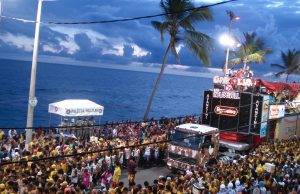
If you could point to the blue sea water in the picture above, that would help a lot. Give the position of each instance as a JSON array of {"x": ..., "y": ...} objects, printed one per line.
[{"x": 124, "y": 94}]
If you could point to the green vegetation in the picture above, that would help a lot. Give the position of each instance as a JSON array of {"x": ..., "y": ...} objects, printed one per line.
[
  {"x": 291, "y": 63},
  {"x": 251, "y": 51},
  {"x": 179, "y": 24}
]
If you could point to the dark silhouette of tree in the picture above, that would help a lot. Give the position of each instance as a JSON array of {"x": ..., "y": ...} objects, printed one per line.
[
  {"x": 179, "y": 24},
  {"x": 291, "y": 63}
]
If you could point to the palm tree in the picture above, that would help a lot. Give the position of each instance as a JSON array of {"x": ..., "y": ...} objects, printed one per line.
[
  {"x": 291, "y": 63},
  {"x": 178, "y": 24},
  {"x": 252, "y": 50}
]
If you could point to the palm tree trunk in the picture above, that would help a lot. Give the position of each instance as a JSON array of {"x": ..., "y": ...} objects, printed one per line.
[
  {"x": 245, "y": 65},
  {"x": 157, "y": 81},
  {"x": 287, "y": 78}
]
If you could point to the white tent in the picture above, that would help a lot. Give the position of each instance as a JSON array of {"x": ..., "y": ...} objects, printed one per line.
[{"x": 76, "y": 108}]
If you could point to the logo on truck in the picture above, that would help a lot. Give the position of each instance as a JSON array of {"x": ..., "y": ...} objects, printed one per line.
[{"x": 226, "y": 110}]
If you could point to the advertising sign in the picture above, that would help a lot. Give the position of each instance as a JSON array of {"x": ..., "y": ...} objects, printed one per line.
[
  {"x": 276, "y": 111},
  {"x": 219, "y": 93},
  {"x": 226, "y": 111},
  {"x": 264, "y": 115},
  {"x": 257, "y": 106},
  {"x": 183, "y": 151},
  {"x": 287, "y": 127},
  {"x": 234, "y": 81},
  {"x": 207, "y": 107}
]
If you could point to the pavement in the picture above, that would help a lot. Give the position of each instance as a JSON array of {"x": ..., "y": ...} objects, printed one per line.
[{"x": 146, "y": 174}]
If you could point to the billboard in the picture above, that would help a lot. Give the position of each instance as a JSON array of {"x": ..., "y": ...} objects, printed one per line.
[
  {"x": 220, "y": 93},
  {"x": 264, "y": 116},
  {"x": 257, "y": 106},
  {"x": 287, "y": 127},
  {"x": 207, "y": 104},
  {"x": 276, "y": 111},
  {"x": 235, "y": 114}
]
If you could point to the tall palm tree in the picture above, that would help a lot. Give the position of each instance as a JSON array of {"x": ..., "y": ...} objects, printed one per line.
[
  {"x": 179, "y": 24},
  {"x": 291, "y": 63},
  {"x": 251, "y": 50}
]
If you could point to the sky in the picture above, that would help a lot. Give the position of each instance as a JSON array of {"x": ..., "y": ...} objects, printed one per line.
[{"x": 136, "y": 43}]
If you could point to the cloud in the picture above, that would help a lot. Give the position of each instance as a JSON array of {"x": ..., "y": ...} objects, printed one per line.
[
  {"x": 137, "y": 41},
  {"x": 118, "y": 50},
  {"x": 208, "y": 1},
  {"x": 275, "y": 4},
  {"x": 18, "y": 40},
  {"x": 70, "y": 45},
  {"x": 179, "y": 47},
  {"x": 107, "y": 45},
  {"x": 139, "y": 52},
  {"x": 51, "y": 49},
  {"x": 94, "y": 36},
  {"x": 179, "y": 67}
]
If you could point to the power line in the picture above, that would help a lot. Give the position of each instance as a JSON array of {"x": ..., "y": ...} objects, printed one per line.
[{"x": 116, "y": 20}]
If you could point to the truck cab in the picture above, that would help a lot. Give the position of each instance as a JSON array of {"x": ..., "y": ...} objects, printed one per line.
[{"x": 192, "y": 145}]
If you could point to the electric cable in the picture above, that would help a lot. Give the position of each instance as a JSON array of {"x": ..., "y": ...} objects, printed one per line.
[{"x": 115, "y": 20}]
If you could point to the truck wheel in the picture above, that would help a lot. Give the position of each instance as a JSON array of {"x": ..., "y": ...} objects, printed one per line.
[{"x": 173, "y": 170}]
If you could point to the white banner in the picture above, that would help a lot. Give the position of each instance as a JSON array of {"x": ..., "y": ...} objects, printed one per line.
[{"x": 76, "y": 108}]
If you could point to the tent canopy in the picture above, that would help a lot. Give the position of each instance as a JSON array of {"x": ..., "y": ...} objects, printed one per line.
[
  {"x": 76, "y": 108},
  {"x": 280, "y": 86}
]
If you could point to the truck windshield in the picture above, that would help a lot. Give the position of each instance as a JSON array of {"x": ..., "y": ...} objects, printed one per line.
[{"x": 186, "y": 139}]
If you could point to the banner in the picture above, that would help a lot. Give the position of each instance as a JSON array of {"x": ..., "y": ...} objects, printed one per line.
[
  {"x": 219, "y": 93},
  {"x": 207, "y": 107},
  {"x": 287, "y": 127},
  {"x": 276, "y": 111},
  {"x": 257, "y": 106},
  {"x": 226, "y": 111},
  {"x": 234, "y": 81},
  {"x": 264, "y": 116}
]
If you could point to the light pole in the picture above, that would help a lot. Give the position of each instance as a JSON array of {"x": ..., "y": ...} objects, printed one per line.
[
  {"x": 32, "y": 101},
  {"x": 232, "y": 17}
]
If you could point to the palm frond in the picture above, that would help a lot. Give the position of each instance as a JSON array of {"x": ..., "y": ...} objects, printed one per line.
[
  {"x": 186, "y": 25},
  {"x": 199, "y": 14},
  {"x": 256, "y": 58},
  {"x": 162, "y": 27},
  {"x": 280, "y": 73},
  {"x": 235, "y": 61},
  {"x": 199, "y": 50},
  {"x": 277, "y": 65},
  {"x": 200, "y": 38}
]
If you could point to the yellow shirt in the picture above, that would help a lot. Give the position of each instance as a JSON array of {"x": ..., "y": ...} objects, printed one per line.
[
  {"x": 1, "y": 134},
  {"x": 117, "y": 174},
  {"x": 112, "y": 190}
]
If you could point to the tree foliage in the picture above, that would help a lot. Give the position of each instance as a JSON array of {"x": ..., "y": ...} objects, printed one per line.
[
  {"x": 179, "y": 23},
  {"x": 252, "y": 50},
  {"x": 291, "y": 63}
]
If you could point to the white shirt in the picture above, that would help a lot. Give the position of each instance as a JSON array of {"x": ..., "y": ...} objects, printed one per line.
[{"x": 12, "y": 133}]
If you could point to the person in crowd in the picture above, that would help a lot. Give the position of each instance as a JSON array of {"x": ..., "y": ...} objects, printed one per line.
[
  {"x": 147, "y": 155},
  {"x": 131, "y": 167},
  {"x": 85, "y": 172},
  {"x": 12, "y": 133},
  {"x": 116, "y": 176}
]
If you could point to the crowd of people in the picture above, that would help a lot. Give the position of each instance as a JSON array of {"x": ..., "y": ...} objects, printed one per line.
[
  {"x": 128, "y": 145},
  {"x": 112, "y": 145}
]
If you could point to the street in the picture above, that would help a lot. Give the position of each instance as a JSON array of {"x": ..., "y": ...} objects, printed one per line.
[{"x": 146, "y": 174}]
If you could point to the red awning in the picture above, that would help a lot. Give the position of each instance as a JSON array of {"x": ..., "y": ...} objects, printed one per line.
[{"x": 279, "y": 86}]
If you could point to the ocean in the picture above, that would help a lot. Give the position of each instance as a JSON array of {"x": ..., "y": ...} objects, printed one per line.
[{"x": 124, "y": 94}]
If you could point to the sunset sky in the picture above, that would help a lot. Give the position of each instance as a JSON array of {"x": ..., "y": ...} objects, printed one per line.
[{"x": 136, "y": 42}]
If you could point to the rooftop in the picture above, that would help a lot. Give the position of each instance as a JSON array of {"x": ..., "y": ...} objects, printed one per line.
[{"x": 197, "y": 128}]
